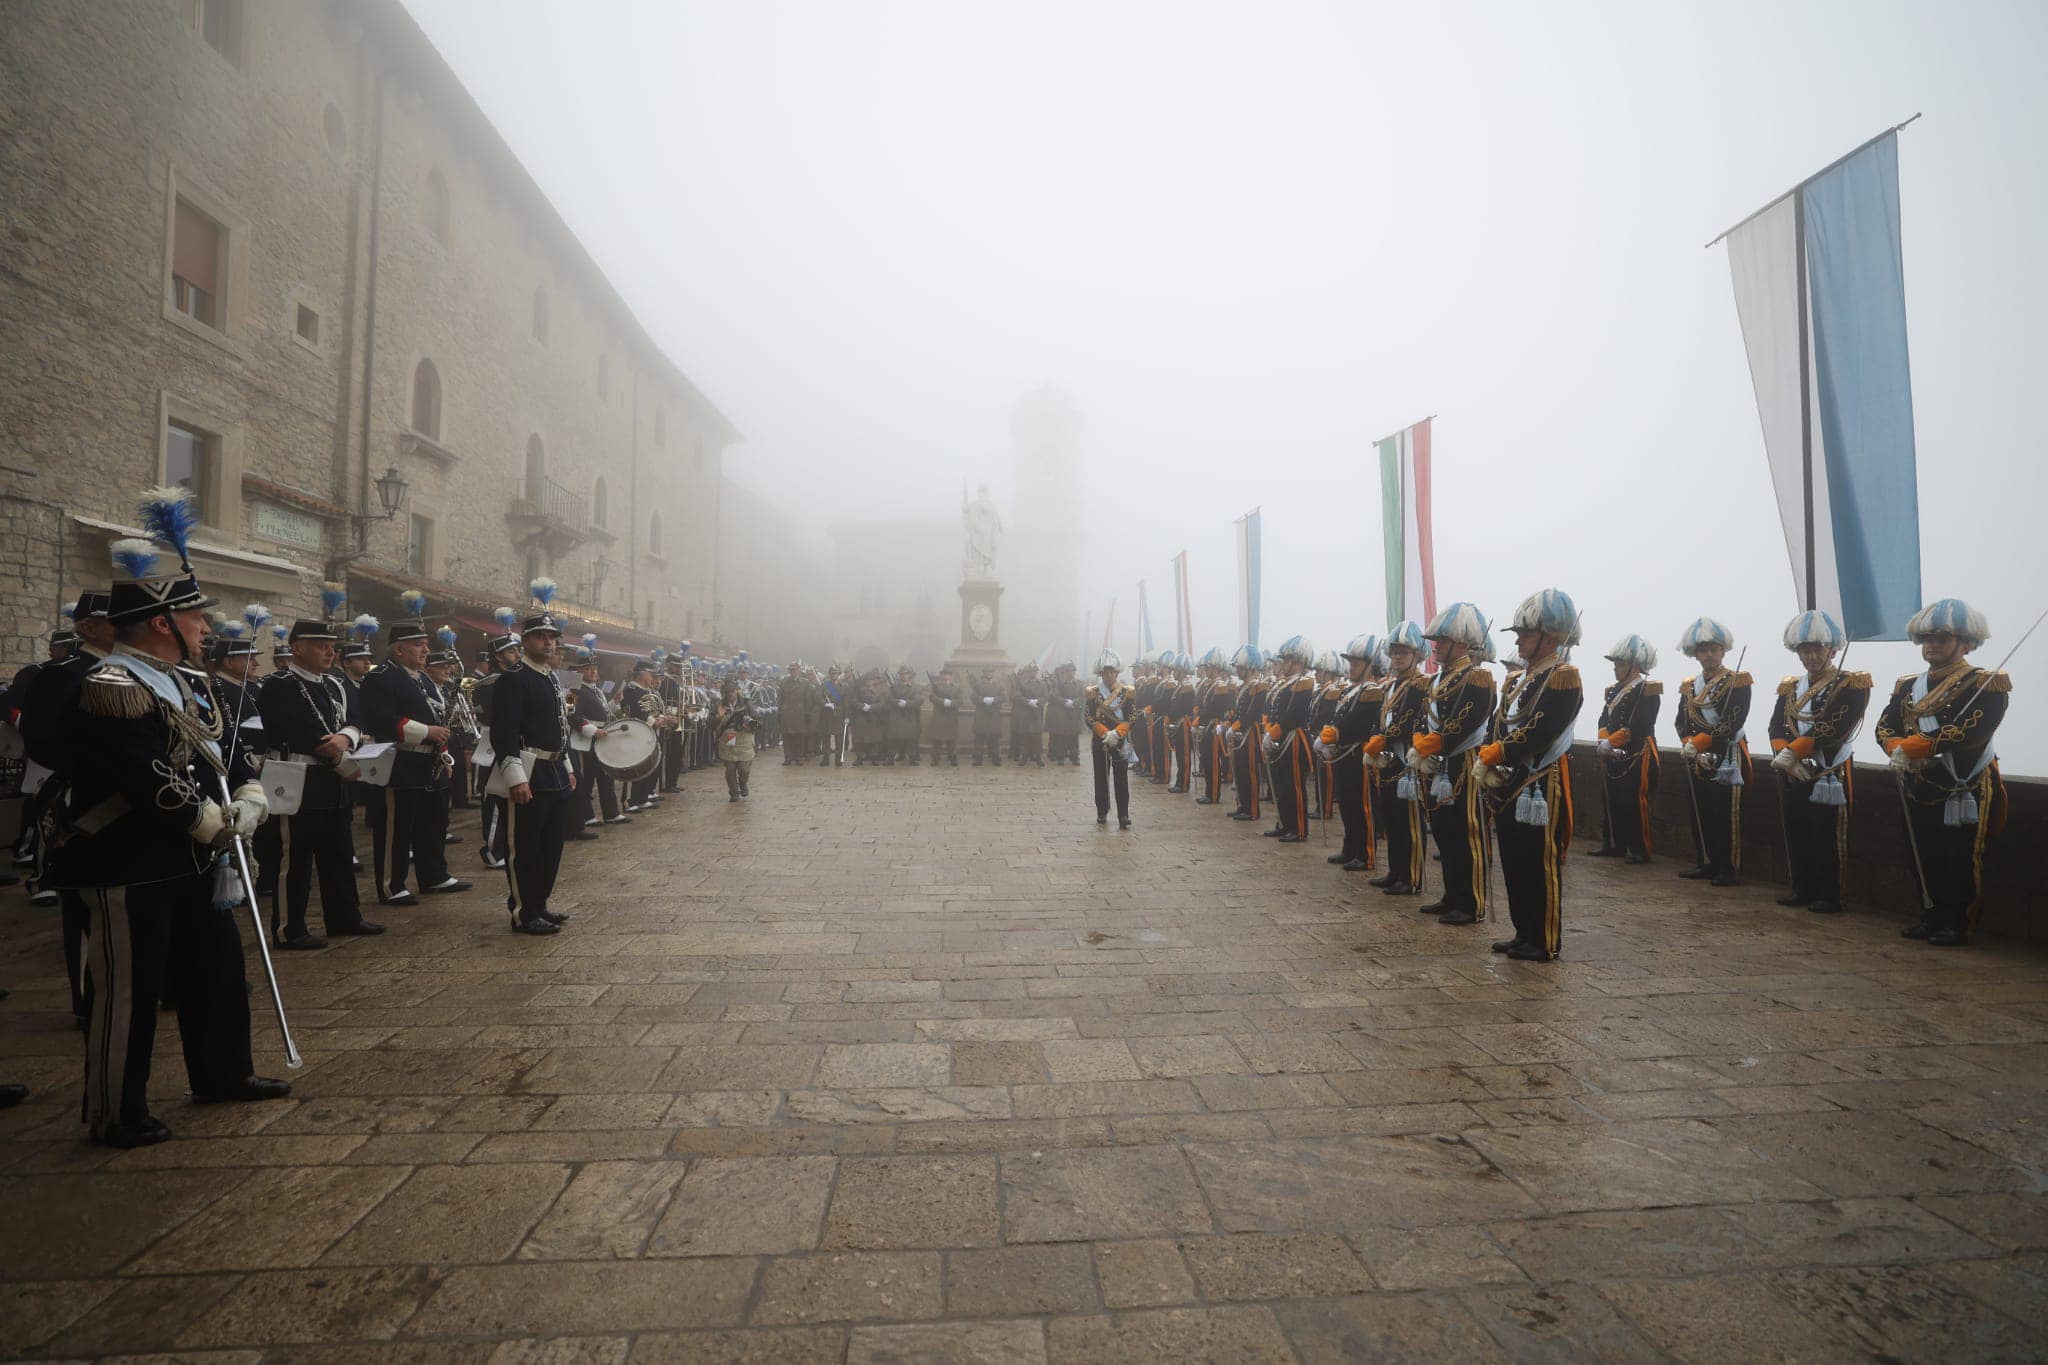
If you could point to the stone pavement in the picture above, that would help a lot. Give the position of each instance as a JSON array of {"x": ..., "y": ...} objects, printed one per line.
[{"x": 921, "y": 1065}]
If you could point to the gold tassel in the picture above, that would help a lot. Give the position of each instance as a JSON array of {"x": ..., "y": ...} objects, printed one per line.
[{"x": 112, "y": 692}]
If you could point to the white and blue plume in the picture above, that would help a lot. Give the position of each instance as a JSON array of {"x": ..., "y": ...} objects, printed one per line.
[
  {"x": 135, "y": 558},
  {"x": 543, "y": 590},
  {"x": 333, "y": 598},
  {"x": 169, "y": 517}
]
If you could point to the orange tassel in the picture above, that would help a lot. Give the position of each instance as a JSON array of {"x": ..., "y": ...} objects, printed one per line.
[
  {"x": 1803, "y": 746},
  {"x": 1778, "y": 746},
  {"x": 1917, "y": 746},
  {"x": 1492, "y": 754},
  {"x": 1701, "y": 742},
  {"x": 1429, "y": 746},
  {"x": 1376, "y": 744},
  {"x": 1617, "y": 737},
  {"x": 1329, "y": 735}
]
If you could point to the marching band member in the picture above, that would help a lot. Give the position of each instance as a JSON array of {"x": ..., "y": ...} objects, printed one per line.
[
  {"x": 639, "y": 700},
  {"x": 1813, "y": 729},
  {"x": 443, "y": 666},
  {"x": 1353, "y": 722},
  {"x": 1627, "y": 750},
  {"x": 591, "y": 714},
  {"x": 1112, "y": 710},
  {"x": 501, "y": 654},
  {"x": 530, "y": 736},
  {"x": 1461, "y": 701},
  {"x": 309, "y": 718},
  {"x": 1712, "y": 709},
  {"x": 398, "y": 709},
  {"x": 1525, "y": 773},
  {"x": 1938, "y": 728},
  {"x": 1289, "y": 702},
  {"x": 1178, "y": 708}
]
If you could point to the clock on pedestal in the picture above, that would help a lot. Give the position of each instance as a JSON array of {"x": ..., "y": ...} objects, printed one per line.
[{"x": 981, "y": 623}]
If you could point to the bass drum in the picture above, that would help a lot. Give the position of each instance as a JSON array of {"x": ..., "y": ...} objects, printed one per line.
[{"x": 627, "y": 749}]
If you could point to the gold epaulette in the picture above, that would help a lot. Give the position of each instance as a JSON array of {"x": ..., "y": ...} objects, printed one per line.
[
  {"x": 1741, "y": 680},
  {"x": 1858, "y": 681},
  {"x": 1905, "y": 681},
  {"x": 1481, "y": 676},
  {"x": 1998, "y": 682},
  {"x": 1302, "y": 682},
  {"x": 1653, "y": 689},
  {"x": 114, "y": 692},
  {"x": 1787, "y": 686},
  {"x": 1566, "y": 675}
]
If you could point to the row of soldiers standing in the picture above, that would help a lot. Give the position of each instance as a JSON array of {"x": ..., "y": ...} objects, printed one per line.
[
  {"x": 881, "y": 720},
  {"x": 1478, "y": 768}
]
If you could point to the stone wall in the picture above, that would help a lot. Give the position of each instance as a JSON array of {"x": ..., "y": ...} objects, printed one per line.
[
  {"x": 1881, "y": 877},
  {"x": 116, "y": 109}
]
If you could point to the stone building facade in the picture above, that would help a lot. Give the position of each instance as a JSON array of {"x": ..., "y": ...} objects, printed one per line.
[{"x": 275, "y": 250}]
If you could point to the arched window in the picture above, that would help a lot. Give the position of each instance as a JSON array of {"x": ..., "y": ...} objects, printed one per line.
[
  {"x": 600, "y": 502},
  {"x": 654, "y": 533},
  {"x": 436, "y": 205},
  {"x": 426, "y": 400},
  {"x": 540, "y": 315},
  {"x": 604, "y": 375},
  {"x": 536, "y": 469}
]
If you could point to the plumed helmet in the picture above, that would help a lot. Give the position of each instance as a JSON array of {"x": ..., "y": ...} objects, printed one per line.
[
  {"x": 1952, "y": 616},
  {"x": 1550, "y": 611},
  {"x": 1326, "y": 662},
  {"x": 1214, "y": 657},
  {"x": 1247, "y": 656},
  {"x": 1363, "y": 647},
  {"x": 1109, "y": 658},
  {"x": 1634, "y": 649},
  {"x": 1815, "y": 628},
  {"x": 1407, "y": 635},
  {"x": 1705, "y": 631},
  {"x": 1462, "y": 622},
  {"x": 1297, "y": 648}
]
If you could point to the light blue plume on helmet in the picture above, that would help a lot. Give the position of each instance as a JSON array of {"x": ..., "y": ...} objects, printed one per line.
[
  {"x": 1552, "y": 612},
  {"x": 446, "y": 636},
  {"x": 365, "y": 627},
  {"x": 280, "y": 635},
  {"x": 415, "y": 603},
  {"x": 1109, "y": 658},
  {"x": 1705, "y": 631},
  {"x": 1462, "y": 622},
  {"x": 1634, "y": 650},
  {"x": 333, "y": 600},
  {"x": 1247, "y": 656},
  {"x": 257, "y": 615},
  {"x": 1214, "y": 657},
  {"x": 235, "y": 630},
  {"x": 1363, "y": 647},
  {"x": 1406, "y": 635},
  {"x": 682, "y": 648},
  {"x": 507, "y": 619},
  {"x": 1951, "y": 616},
  {"x": 543, "y": 590},
  {"x": 1815, "y": 628},
  {"x": 1326, "y": 662},
  {"x": 168, "y": 516},
  {"x": 590, "y": 641},
  {"x": 1297, "y": 649},
  {"x": 659, "y": 655}
]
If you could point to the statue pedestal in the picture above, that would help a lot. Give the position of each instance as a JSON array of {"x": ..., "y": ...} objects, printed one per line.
[{"x": 981, "y": 621}]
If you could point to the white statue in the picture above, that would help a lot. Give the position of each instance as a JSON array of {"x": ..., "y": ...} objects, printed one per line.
[{"x": 984, "y": 527}]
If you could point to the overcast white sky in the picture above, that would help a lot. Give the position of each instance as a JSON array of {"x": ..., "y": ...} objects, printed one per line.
[{"x": 1251, "y": 238}]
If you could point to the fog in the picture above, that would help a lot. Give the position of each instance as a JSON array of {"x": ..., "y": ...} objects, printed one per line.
[{"x": 1249, "y": 239}]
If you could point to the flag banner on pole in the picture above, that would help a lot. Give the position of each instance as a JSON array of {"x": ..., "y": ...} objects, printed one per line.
[
  {"x": 1820, "y": 292},
  {"x": 1406, "y": 536},
  {"x": 1144, "y": 620},
  {"x": 1183, "y": 619},
  {"x": 1248, "y": 577},
  {"x": 1109, "y": 626}
]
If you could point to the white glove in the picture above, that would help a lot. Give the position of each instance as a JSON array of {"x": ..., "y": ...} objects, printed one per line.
[
  {"x": 988, "y": 701},
  {"x": 1322, "y": 750},
  {"x": 1032, "y": 700},
  {"x": 1269, "y": 747},
  {"x": 1069, "y": 702},
  {"x": 1488, "y": 775},
  {"x": 902, "y": 702},
  {"x": 945, "y": 701},
  {"x": 866, "y": 707},
  {"x": 1785, "y": 761},
  {"x": 206, "y": 829},
  {"x": 1605, "y": 749},
  {"x": 831, "y": 706},
  {"x": 1903, "y": 761}
]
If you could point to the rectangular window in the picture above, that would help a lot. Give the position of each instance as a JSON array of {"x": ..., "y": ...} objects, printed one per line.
[
  {"x": 419, "y": 552},
  {"x": 190, "y": 458},
  {"x": 218, "y": 22},
  {"x": 196, "y": 253},
  {"x": 309, "y": 326}
]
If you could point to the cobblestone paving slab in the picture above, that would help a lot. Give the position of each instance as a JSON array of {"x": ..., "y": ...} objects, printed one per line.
[{"x": 918, "y": 1065}]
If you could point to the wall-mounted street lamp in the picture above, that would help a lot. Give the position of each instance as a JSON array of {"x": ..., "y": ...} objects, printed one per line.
[{"x": 391, "y": 490}]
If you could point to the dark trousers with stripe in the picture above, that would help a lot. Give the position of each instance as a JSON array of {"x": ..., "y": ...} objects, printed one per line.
[
  {"x": 1532, "y": 861},
  {"x": 1350, "y": 784},
  {"x": 77, "y": 917},
  {"x": 1459, "y": 828},
  {"x": 494, "y": 822},
  {"x": 1244, "y": 767},
  {"x": 407, "y": 825},
  {"x": 1952, "y": 856},
  {"x": 581, "y": 763},
  {"x": 1628, "y": 803},
  {"x": 1815, "y": 841},
  {"x": 534, "y": 855},
  {"x": 1111, "y": 769},
  {"x": 317, "y": 841},
  {"x": 1290, "y": 786},
  {"x": 1717, "y": 831},
  {"x": 143, "y": 937},
  {"x": 1403, "y": 823},
  {"x": 1212, "y": 771}
]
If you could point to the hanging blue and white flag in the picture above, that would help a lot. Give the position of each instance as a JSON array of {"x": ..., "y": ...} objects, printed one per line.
[
  {"x": 1820, "y": 290},
  {"x": 1144, "y": 620},
  {"x": 1248, "y": 577}
]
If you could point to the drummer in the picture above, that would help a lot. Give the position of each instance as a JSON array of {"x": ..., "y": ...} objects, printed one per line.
[{"x": 591, "y": 713}]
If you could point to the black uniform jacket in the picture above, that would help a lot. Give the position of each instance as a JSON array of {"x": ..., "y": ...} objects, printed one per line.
[
  {"x": 528, "y": 714},
  {"x": 397, "y": 709}
]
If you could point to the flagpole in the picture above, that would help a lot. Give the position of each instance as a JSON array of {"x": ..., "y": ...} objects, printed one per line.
[
  {"x": 1862, "y": 146},
  {"x": 1806, "y": 379},
  {"x": 1416, "y": 423}
]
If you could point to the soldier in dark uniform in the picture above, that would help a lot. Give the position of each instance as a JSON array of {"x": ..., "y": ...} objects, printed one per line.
[
  {"x": 1214, "y": 702},
  {"x": 355, "y": 661},
  {"x": 309, "y": 717},
  {"x": 1065, "y": 706},
  {"x": 900, "y": 719},
  {"x": 947, "y": 718},
  {"x": 398, "y": 709},
  {"x": 1461, "y": 702},
  {"x": 444, "y": 665},
  {"x": 989, "y": 689},
  {"x": 1525, "y": 773},
  {"x": 1176, "y": 709},
  {"x": 1288, "y": 704},
  {"x": 46, "y": 703},
  {"x": 1330, "y": 689},
  {"x": 1712, "y": 709},
  {"x": 1027, "y": 716},
  {"x": 1112, "y": 711},
  {"x": 1938, "y": 727},
  {"x": 1814, "y": 720},
  {"x": 835, "y": 695},
  {"x": 1627, "y": 750},
  {"x": 62, "y": 646},
  {"x": 501, "y": 652},
  {"x": 1247, "y": 710},
  {"x": 530, "y": 735},
  {"x": 150, "y": 807},
  {"x": 796, "y": 698},
  {"x": 1340, "y": 743},
  {"x": 677, "y": 757},
  {"x": 1403, "y": 712}
]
